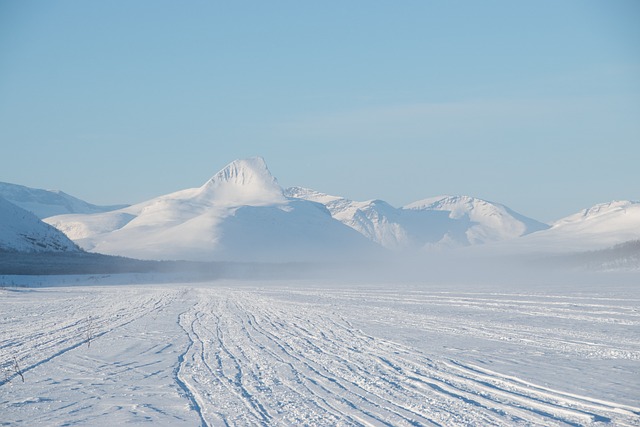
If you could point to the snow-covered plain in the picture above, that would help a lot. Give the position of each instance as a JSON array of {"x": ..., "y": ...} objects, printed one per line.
[{"x": 311, "y": 353}]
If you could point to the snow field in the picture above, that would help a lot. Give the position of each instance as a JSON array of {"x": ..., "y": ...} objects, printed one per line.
[{"x": 304, "y": 354}]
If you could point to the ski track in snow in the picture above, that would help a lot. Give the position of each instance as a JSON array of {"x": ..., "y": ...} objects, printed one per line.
[{"x": 296, "y": 355}]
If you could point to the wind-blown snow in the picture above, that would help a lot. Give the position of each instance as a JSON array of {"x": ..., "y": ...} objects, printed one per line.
[
  {"x": 22, "y": 231},
  {"x": 46, "y": 203}
]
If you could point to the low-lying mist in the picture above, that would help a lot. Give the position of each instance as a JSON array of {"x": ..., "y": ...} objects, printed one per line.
[{"x": 470, "y": 268}]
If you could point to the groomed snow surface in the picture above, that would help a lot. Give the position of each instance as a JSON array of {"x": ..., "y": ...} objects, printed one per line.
[{"x": 302, "y": 353}]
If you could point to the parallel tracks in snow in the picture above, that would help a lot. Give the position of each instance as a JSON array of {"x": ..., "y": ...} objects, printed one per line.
[
  {"x": 253, "y": 361},
  {"x": 292, "y": 357},
  {"x": 50, "y": 332}
]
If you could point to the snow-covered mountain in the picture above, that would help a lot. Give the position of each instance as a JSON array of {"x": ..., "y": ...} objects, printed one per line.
[
  {"x": 22, "y": 231},
  {"x": 484, "y": 221},
  {"x": 46, "y": 203},
  {"x": 439, "y": 221},
  {"x": 375, "y": 219},
  {"x": 597, "y": 227},
  {"x": 241, "y": 214}
]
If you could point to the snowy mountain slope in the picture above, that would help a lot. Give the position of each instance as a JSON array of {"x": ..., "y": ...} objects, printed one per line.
[
  {"x": 440, "y": 221},
  {"x": 22, "y": 231},
  {"x": 46, "y": 203},
  {"x": 241, "y": 214},
  {"x": 375, "y": 219},
  {"x": 597, "y": 227},
  {"x": 487, "y": 221}
]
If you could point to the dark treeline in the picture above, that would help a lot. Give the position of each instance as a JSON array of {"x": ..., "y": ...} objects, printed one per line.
[
  {"x": 63, "y": 263},
  {"x": 624, "y": 256}
]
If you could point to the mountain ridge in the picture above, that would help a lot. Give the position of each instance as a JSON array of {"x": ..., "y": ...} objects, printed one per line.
[
  {"x": 240, "y": 214},
  {"x": 594, "y": 228},
  {"x": 441, "y": 221},
  {"x": 243, "y": 214},
  {"x": 46, "y": 203}
]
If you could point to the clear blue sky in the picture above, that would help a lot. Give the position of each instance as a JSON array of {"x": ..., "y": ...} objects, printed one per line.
[{"x": 534, "y": 104}]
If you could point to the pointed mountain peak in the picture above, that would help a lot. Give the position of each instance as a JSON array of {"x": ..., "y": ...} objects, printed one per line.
[
  {"x": 244, "y": 182},
  {"x": 245, "y": 172}
]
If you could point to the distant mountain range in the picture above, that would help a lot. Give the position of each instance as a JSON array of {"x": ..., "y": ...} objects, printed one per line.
[
  {"x": 243, "y": 214},
  {"x": 439, "y": 221},
  {"x": 46, "y": 203}
]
